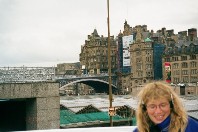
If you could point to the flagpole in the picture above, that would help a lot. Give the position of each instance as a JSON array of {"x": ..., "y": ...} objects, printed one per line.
[{"x": 109, "y": 64}]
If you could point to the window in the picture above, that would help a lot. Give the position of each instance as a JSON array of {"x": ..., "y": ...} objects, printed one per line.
[
  {"x": 176, "y": 80},
  {"x": 184, "y": 72},
  {"x": 148, "y": 66},
  {"x": 183, "y": 58},
  {"x": 140, "y": 74},
  {"x": 175, "y": 65},
  {"x": 185, "y": 79},
  {"x": 139, "y": 66},
  {"x": 193, "y": 57},
  {"x": 174, "y": 58},
  {"x": 193, "y": 64},
  {"x": 167, "y": 59},
  {"x": 194, "y": 71},
  {"x": 192, "y": 48},
  {"x": 194, "y": 79},
  {"x": 177, "y": 72},
  {"x": 184, "y": 65}
]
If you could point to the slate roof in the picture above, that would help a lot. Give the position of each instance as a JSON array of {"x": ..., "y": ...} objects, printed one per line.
[{"x": 102, "y": 103}]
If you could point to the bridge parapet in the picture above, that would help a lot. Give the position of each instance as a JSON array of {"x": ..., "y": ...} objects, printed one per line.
[
  {"x": 64, "y": 80},
  {"x": 46, "y": 74},
  {"x": 82, "y": 76},
  {"x": 26, "y": 74}
]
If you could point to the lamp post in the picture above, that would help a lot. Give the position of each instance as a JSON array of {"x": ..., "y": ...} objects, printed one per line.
[{"x": 109, "y": 64}]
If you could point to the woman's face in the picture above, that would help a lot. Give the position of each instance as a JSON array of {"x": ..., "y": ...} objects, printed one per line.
[{"x": 158, "y": 110}]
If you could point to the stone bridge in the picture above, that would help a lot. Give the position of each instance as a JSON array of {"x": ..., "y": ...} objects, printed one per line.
[
  {"x": 100, "y": 86},
  {"x": 99, "y": 83}
]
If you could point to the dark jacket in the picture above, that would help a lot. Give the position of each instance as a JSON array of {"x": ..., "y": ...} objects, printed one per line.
[{"x": 192, "y": 126}]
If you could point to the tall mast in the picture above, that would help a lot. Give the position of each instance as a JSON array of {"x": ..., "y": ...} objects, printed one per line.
[{"x": 109, "y": 63}]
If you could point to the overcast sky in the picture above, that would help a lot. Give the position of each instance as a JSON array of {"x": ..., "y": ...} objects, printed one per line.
[{"x": 48, "y": 32}]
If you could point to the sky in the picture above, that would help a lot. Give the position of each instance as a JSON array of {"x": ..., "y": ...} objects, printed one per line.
[{"x": 48, "y": 32}]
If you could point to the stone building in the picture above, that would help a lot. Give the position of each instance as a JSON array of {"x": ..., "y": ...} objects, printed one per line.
[
  {"x": 68, "y": 69},
  {"x": 145, "y": 51},
  {"x": 123, "y": 71},
  {"x": 129, "y": 36},
  {"x": 161, "y": 56},
  {"x": 183, "y": 62},
  {"x": 94, "y": 54},
  {"x": 146, "y": 54},
  {"x": 147, "y": 61},
  {"x": 141, "y": 56},
  {"x": 130, "y": 81}
]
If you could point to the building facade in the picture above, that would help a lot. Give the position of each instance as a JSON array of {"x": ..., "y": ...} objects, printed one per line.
[
  {"x": 162, "y": 56},
  {"x": 145, "y": 51},
  {"x": 66, "y": 69},
  {"x": 94, "y": 54},
  {"x": 141, "y": 56},
  {"x": 152, "y": 56},
  {"x": 183, "y": 62},
  {"x": 70, "y": 70}
]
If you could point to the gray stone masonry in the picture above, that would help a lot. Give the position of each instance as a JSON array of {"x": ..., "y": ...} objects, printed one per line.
[{"x": 42, "y": 102}]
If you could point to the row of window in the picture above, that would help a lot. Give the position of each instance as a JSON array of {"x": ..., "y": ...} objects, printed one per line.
[
  {"x": 185, "y": 79},
  {"x": 183, "y": 58},
  {"x": 148, "y": 66},
  {"x": 193, "y": 64},
  {"x": 149, "y": 74},
  {"x": 185, "y": 72},
  {"x": 93, "y": 66},
  {"x": 148, "y": 52},
  {"x": 148, "y": 59}
]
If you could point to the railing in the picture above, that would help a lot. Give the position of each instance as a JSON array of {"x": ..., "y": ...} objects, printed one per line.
[
  {"x": 82, "y": 76},
  {"x": 93, "y": 129},
  {"x": 37, "y": 74},
  {"x": 26, "y": 74}
]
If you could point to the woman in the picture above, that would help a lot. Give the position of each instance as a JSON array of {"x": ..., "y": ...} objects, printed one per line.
[{"x": 160, "y": 110}]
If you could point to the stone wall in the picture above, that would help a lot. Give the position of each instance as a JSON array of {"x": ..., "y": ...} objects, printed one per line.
[{"x": 42, "y": 102}]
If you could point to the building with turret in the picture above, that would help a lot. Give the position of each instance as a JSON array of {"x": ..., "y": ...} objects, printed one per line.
[
  {"x": 94, "y": 54},
  {"x": 145, "y": 50}
]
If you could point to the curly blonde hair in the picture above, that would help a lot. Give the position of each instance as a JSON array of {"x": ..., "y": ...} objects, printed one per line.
[{"x": 157, "y": 90}]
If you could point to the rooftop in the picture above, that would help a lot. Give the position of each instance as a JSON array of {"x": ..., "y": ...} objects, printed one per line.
[{"x": 101, "y": 102}]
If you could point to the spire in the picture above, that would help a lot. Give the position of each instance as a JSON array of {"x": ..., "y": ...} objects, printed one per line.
[{"x": 95, "y": 33}]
